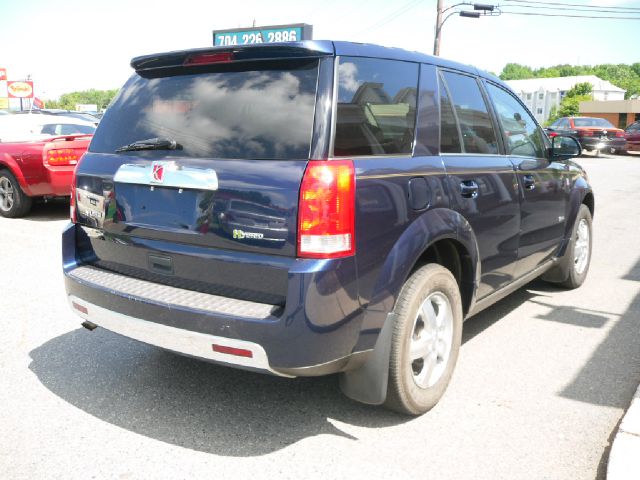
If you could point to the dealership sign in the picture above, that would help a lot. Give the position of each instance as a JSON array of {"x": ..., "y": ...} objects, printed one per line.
[
  {"x": 20, "y": 89},
  {"x": 3, "y": 73},
  {"x": 269, "y": 34}
]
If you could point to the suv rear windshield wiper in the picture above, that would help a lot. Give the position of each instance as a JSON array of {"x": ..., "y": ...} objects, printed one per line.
[{"x": 151, "y": 144}]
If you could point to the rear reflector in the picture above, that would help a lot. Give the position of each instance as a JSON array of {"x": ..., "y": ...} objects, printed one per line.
[
  {"x": 326, "y": 225},
  {"x": 238, "y": 352},
  {"x": 208, "y": 58},
  {"x": 80, "y": 308}
]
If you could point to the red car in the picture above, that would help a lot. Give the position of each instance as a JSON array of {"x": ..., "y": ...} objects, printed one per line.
[
  {"x": 594, "y": 134},
  {"x": 632, "y": 135},
  {"x": 37, "y": 158}
]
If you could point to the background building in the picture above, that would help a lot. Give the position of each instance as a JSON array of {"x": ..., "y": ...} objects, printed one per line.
[
  {"x": 619, "y": 112},
  {"x": 541, "y": 94}
]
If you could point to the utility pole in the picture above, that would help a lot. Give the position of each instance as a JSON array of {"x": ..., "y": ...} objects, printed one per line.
[
  {"x": 478, "y": 9},
  {"x": 436, "y": 41}
]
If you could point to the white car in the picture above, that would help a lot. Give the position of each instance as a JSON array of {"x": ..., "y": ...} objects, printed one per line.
[{"x": 16, "y": 128}]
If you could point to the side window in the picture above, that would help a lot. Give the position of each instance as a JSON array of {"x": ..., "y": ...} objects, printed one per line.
[
  {"x": 376, "y": 111},
  {"x": 522, "y": 132},
  {"x": 449, "y": 133},
  {"x": 478, "y": 135},
  {"x": 49, "y": 129},
  {"x": 563, "y": 123}
]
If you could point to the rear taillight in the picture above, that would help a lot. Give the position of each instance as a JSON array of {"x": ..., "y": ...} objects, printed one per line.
[
  {"x": 57, "y": 157},
  {"x": 326, "y": 224},
  {"x": 72, "y": 202},
  {"x": 619, "y": 134},
  {"x": 552, "y": 134}
]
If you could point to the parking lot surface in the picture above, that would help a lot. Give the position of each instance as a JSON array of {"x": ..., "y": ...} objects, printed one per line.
[{"x": 543, "y": 379}]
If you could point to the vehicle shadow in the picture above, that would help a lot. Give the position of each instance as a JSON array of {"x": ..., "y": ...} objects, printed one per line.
[
  {"x": 203, "y": 406},
  {"x": 485, "y": 319},
  {"x": 611, "y": 374},
  {"x": 191, "y": 403},
  {"x": 56, "y": 209}
]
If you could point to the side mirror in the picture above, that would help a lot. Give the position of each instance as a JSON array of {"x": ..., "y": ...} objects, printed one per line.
[{"x": 564, "y": 147}]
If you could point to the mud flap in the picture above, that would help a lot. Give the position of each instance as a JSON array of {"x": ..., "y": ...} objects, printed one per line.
[{"x": 368, "y": 383}]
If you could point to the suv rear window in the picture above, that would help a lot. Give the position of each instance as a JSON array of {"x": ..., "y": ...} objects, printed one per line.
[{"x": 256, "y": 111}]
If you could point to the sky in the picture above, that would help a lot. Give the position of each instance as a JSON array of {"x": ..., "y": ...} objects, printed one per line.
[{"x": 77, "y": 45}]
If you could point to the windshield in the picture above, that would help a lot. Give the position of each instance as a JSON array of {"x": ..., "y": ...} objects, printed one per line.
[
  {"x": 592, "y": 122},
  {"x": 263, "y": 113}
]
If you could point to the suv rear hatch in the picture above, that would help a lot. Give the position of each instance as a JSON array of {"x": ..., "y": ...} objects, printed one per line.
[{"x": 193, "y": 175}]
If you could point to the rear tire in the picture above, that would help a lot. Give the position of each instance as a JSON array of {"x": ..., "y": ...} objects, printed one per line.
[
  {"x": 13, "y": 201},
  {"x": 426, "y": 340}
]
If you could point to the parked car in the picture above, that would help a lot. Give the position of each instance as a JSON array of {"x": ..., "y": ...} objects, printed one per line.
[
  {"x": 406, "y": 193},
  {"x": 594, "y": 134},
  {"x": 632, "y": 137},
  {"x": 85, "y": 116},
  {"x": 37, "y": 156}
]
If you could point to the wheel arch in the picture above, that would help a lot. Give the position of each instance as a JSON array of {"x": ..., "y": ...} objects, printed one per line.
[
  {"x": 439, "y": 235},
  {"x": 8, "y": 162}
]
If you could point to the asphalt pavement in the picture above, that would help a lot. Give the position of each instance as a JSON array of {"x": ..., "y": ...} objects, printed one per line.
[{"x": 541, "y": 385}]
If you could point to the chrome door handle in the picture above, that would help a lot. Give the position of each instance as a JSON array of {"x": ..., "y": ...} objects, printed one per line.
[
  {"x": 528, "y": 182},
  {"x": 469, "y": 189}
]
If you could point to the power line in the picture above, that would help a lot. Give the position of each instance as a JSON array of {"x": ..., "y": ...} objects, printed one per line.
[
  {"x": 567, "y": 16},
  {"x": 562, "y": 4},
  {"x": 571, "y": 9},
  {"x": 392, "y": 16}
]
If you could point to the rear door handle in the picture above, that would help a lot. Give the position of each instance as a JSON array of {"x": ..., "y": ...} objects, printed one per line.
[
  {"x": 469, "y": 189},
  {"x": 528, "y": 182}
]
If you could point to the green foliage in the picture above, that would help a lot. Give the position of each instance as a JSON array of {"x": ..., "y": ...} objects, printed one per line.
[
  {"x": 68, "y": 101},
  {"x": 553, "y": 116},
  {"x": 584, "y": 88},
  {"x": 570, "y": 106},
  {"x": 515, "y": 71},
  {"x": 624, "y": 76}
]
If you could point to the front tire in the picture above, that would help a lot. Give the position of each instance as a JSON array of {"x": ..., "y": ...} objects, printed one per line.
[
  {"x": 426, "y": 340},
  {"x": 579, "y": 251},
  {"x": 13, "y": 201},
  {"x": 571, "y": 271}
]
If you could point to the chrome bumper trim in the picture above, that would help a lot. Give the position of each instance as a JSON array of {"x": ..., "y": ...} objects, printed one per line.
[{"x": 191, "y": 343}]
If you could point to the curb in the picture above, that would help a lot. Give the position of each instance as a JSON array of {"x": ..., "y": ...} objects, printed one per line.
[{"x": 624, "y": 459}]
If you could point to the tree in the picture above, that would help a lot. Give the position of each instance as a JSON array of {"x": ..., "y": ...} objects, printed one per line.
[
  {"x": 515, "y": 71},
  {"x": 553, "y": 116},
  {"x": 584, "y": 88},
  {"x": 68, "y": 101},
  {"x": 570, "y": 106}
]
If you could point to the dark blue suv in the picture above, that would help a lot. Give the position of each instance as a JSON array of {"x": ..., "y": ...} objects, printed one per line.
[{"x": 319, "y": 207}]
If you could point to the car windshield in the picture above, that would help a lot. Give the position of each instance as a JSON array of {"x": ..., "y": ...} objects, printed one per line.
[
  {"x": 592, "y": 122},
  {"x": 257, "y": 111}
]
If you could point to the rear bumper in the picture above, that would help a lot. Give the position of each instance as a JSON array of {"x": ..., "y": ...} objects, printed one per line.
[
  {"x": 594, "y": 143},
  {"x": 170, "y": 338},
  {"x": 53, "y": 181},
  {"x": 632, "y": 147},
  {"x": 316, "y": 332}
]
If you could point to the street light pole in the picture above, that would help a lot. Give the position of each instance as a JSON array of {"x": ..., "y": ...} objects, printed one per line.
[
  {"x": 436, "y": 41},
  {"x": 486, "y": 9}
]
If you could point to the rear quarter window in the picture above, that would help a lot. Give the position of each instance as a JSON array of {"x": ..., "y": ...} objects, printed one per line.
[
  {"x": 376, "y": 110},
  {"x": 253, "y": 111}
]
